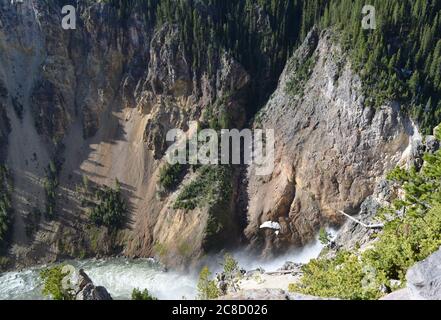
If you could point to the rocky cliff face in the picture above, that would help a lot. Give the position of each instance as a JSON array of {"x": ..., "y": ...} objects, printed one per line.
[
  {"x": 331, "y": 151},
  {"x": 98, "y": 101}
]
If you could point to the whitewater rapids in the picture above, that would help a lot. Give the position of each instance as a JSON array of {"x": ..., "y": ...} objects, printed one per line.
[{"x": 120, "y": 275}]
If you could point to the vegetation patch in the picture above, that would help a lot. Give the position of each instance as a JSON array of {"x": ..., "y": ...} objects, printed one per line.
[
  {"x": 207, "y": 288},
  {"x": 300, "y": 75},
  {"x": 216, "y": 116},
  {"x": 170, "y": 175},
  {"x": 53, "y": 285},
  {"x": 142, "y": 295},
  {"x": 109, "y": 209},
  {"x": 228, "y": 279},
  {"x": 184, "y": 249},
  {"x": 412, "y": 232},
  {"x": 339, "y": 277},
  {"x": 107, "y": 212},
  {"x": 212, "y": 184},
  {"x": 160, "y": 249},
  {"x": 5, "y": 204},
  {"x": 231, "y": 272},
  {"x": 50, "y": 185}
]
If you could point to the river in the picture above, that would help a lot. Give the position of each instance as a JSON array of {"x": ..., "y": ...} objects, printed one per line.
[{"x": 120, "y": 275}]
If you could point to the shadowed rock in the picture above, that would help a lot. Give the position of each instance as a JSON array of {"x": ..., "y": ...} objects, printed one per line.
[{"x": 88, "y": 291}]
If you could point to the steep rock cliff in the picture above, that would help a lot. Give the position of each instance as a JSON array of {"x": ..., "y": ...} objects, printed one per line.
[
  {"x": 97, "y": 102},
  {"x": 330, "y": 153}
]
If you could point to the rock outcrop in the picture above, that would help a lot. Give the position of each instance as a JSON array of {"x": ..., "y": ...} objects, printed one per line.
[
  {"x": 331, "y": 150},
  {"x": 424, "y": 279},
  {"x": 352, "y": 235},
  {"x": 88, "y": 291}
]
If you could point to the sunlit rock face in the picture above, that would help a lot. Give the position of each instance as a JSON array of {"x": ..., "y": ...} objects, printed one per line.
[{"x": 331, "y": 151}]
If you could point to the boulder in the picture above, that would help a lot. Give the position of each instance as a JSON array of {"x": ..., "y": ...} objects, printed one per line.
[
  {"x": 291, "y": 266},
  {"x": 92, "y": 292},
  {"x": 432, "y": 144},
  {"x": 424, "y": 279},
  {"x": 86, "y": 290},
  {"x": 402, "y": 294}
]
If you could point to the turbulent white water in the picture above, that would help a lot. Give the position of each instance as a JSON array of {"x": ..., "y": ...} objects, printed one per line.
[
  {"x": 120, "y": 276},
  {"x": 301, "y": 255}
]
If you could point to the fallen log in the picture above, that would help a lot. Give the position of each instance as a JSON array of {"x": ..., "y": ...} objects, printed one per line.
[{"x": 368, "y": 226}]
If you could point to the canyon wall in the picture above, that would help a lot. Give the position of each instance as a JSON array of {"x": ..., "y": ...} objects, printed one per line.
[
  {"x": 331, "y": 150},
  {"x": 98, "y": 101}
]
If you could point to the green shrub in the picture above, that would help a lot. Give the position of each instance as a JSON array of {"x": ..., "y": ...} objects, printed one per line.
[
  {"x": 53, "y": 283},
  {"x": 342, "y": 277},
  {"x": 171, "y": 175},
  {"x": 207, "y": 288},
  {"x": 231, "y": 271},
  {"x": 217, "y": 116},
  {"x": 212, "y": 184},
  {"x": 50, "y": 185},
  {"x": 185, "y": 249},
  {"x": 110, "y": 209},
  {"x": 300, "y": 75},
  {"x": 324, "y": 236},
  {"x": 5, "y": 204},
  {"x": 412, "y": 232},
  {"x": 142, "y": 295},
  {"x": 404, "y": 242},
  {"x": 160, "y": 249}
]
